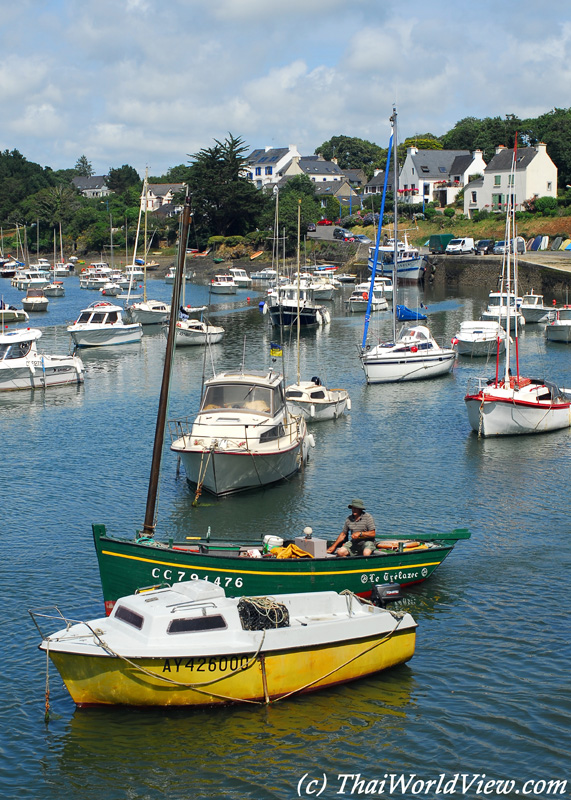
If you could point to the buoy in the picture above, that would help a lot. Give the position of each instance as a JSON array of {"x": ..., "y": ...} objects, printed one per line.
[
  {"x": 248, "y": 300},
  {"x": 414, "y": 349}
]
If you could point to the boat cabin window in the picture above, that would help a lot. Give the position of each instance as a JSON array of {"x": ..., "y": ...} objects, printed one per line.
[
  {"x": 130, "y": 617},
  {"x": 233, "y": 395},
  {"x": 320, "y": 395},
  {"x": 214, "y": 622},
  {"x": 98, "y": 317},
  {"x": 15, "y": 350},
  {"x": 291, "y": 393},
  {"x": 274, "y": 433},
  {"x": 84, "y": 316},
  {"x": 112, "y": 316}
]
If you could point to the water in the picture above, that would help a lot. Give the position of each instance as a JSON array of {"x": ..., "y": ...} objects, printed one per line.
[{"x": 487, "y": 690}]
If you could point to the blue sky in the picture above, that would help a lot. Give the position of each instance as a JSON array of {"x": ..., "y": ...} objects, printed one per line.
[{"x": 147, "y": 82}]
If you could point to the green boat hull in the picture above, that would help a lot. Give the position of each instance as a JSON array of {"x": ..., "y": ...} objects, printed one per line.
[{"x": 127, "y": 566}]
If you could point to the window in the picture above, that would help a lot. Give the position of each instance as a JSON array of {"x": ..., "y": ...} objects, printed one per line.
[
  {"x": 268, "y": 170},
  {"x": 258, "y": 170},
  {"x": 442, "y": 169},
  {"x": 130, "y": 617},
  {"x": 213, "y": 622},
  {"x": 473, "y": 197},
  {"x": 413, "y": 186},
  {"x": 427, "y": 189},
  {"x": 424, "y": 169},
  {"x": 497, "y": 180},
  {"x": 548, "y": 186},
  {"x": 413, "y": 170},
  {"x": 511, "y": 180}
]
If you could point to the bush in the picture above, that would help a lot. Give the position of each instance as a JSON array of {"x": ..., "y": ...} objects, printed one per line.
[
  {"x": 233, "y": 241},
  {"x": 546, "y": 205},
  {"x": 449, "y": 212}
]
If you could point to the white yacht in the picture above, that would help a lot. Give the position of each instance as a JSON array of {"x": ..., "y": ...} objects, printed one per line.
[
  {"x": 148, "y": 312},
  {"x": 559, "y": 329},
  {"x": 316, "y": 402},
  {"x": 102, "y": 324},
  {"x": 497, "y": 310},
  {"x": 223, "y": 284},
  {"x": 358, "y": 300},
  {"x": 533, "y": 309},
  {"x": 415, "y": 355},
  {"x": 35, "y": 300},
  {"x": 195, "y": 332},
  {"x": 479, "y": 338},
  {"x": 22, "y": 367},
  {"x": 243, "y": 436},
  {"x": 241, "y": 277}
]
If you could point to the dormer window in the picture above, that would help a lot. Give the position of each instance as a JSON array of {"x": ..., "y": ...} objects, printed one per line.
[{"x": 424, "y": 169}]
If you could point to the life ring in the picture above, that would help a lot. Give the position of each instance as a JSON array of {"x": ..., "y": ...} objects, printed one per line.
[{"x": 365, "y": 295}]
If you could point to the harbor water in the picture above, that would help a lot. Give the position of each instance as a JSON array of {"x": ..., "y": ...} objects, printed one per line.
[{"x": 487, "y": 691}]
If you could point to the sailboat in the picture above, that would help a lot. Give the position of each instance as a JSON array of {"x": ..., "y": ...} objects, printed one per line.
[
  {"x": 55, "y": 288},
  {"x": 147, "y": 312},
  {"x": 511, "y": 404},
  {"x": 311, "y": 399},
  {"x": 414, "y": 354}
]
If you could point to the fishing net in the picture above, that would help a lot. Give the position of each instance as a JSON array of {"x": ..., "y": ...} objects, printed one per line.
[{"x": 262, "y": 613}]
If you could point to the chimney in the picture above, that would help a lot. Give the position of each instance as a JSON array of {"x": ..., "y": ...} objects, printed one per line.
[
  {"x": 267, "y": 148},
  {"x": 411, "y": 151},
  {"x": 334, "y": 160},
  {"x": 500, "y": 147}
]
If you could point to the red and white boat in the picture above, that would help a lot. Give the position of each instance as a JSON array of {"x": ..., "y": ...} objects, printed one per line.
[{"x": 512, "y": 404}]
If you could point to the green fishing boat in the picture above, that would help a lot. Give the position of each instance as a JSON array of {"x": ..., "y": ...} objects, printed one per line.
[{"x": 242, "y": 568}]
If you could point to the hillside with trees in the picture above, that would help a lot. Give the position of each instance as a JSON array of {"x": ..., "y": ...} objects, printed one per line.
[{"x": 225, "y": 204}]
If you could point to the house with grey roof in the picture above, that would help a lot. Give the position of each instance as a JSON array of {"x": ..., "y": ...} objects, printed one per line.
[
  {"x": 377, "y": 182},
  {"x": 437, "y": 175},
  {"x": 162, "y": 194},
  {"x": 265, "y": 166},
  {"x": 315, "y": 167},
  {"x": 94, "y": 186},
  {"x": 535, "y": 176}
]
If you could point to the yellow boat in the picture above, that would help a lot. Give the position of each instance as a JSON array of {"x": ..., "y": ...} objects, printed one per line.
[{"x": 191, "y": 645}]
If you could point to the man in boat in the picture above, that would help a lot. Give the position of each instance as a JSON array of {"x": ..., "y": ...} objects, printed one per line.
[{"x": 358, "y": 535}]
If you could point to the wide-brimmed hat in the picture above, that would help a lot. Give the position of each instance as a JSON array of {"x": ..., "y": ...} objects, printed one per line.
[{"x": 356, "y": 503}]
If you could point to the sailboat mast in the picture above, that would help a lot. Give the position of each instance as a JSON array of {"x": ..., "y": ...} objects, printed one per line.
[
  {"x": 298, "y": 289},
  {"x": 395, "y": 209},
  {"x": 149, "y": 523},
  {"x": 145, "y": 191}
]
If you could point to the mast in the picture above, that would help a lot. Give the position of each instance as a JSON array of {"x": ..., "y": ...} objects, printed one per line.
[
  {"x": 378, "y": 243},
  {"x": 298, "y": 289},
  {"x": 149, "y": 523},
  {"x": 146, "y": 192},
  {"x": 395, "y": 195}
]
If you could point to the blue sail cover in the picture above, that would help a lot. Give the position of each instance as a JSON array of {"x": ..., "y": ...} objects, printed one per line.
[{"x": 405, "y": 314}]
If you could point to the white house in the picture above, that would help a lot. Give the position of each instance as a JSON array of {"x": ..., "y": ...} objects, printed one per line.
[
  {"x": 265, "y": 167},
  {"x": 377, "y": 182},
  {"x": 315, "y": 167},
  {"x": 535, "y": 176},
  {"x": 160, "y": 194},
  {"x": 94, "y": 186},
  {"x": 437, "y": 175}
]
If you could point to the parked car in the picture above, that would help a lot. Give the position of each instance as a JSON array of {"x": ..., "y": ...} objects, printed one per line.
[
  {"x": 460, "y": 246},
  {"x": 324, "y": 222},
  {"x": 310, "y": 227},
  {"x": 362, "y": 239},
  {"x": 484, "y": 247},
  {"x": 518, "y": 242},
  {"x": 340, "y": 233}
]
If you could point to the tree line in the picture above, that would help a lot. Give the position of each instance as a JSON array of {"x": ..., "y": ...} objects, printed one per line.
[{"x": 224, "y": 202}]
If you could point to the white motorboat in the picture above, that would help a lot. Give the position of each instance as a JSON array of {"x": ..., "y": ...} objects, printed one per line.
[
  {"x": 559, "y": 329},
  {"x": 223, "y": 284},
  {"x": 10, "y": 314},
  {"x": 30, "y": 279},
  {"x": 243, "y": 436},
  {"x": 148, "y": 312},
  {"x": 497, "y": 311},
  {"x": 195, "y": 332},
  {"x": 111, "y": 289},
  {"x": 101, "y": 324},
  {"x": 54, "y": 289},
  {"x": 410, "y": 263},
  {"x": 266, "y": 274},
  {"x": 479, "y": 338},
  {"x": 358, "y": 300},
  {"x": 22, "y": 367},
  {"x": 533, "y": 309},
  {"x": 285, "y": 307},
  {"x": 63, "y": 270},
  {"x": 414, "y": 355},
  {"x": 509, "y": 403},
  {"x": 190, "y": 645},
  {"x": 241, "y": 277},
  {"x": 323, "y": 288},
  {"x": 315, "y": 401},
  {"x": 35, "y": 300},
  {"x": 134, "y": 272}
]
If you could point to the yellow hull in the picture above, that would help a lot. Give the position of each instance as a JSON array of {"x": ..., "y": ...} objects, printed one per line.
[{"x": 95, "y": 680}]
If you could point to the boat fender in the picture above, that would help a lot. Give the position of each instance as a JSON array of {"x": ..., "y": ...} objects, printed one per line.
[
  {"x": 311, "y": 439},
  {"x": 311, "y": 411},
  {"x": 349, "y": 404},
  {"x": 414, "y": 349},
  {"x": 385, "y": 593}
]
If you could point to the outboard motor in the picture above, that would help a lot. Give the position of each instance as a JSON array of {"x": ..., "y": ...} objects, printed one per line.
[{"x": 385, "y": 593}]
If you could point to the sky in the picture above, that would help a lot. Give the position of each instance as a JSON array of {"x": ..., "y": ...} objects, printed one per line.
[{"x": 150, "y": 82}]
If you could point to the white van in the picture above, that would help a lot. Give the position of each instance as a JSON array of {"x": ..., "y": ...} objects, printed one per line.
[{"x": 459, "y": 246}]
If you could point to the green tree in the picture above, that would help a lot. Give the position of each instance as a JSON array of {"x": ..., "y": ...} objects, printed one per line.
[
  {"x": 224, "y": 202},
  {"x": 83, "y": 167},
  {"x": 121, "y": 179},
  {"x": 352, "y": 153}
]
